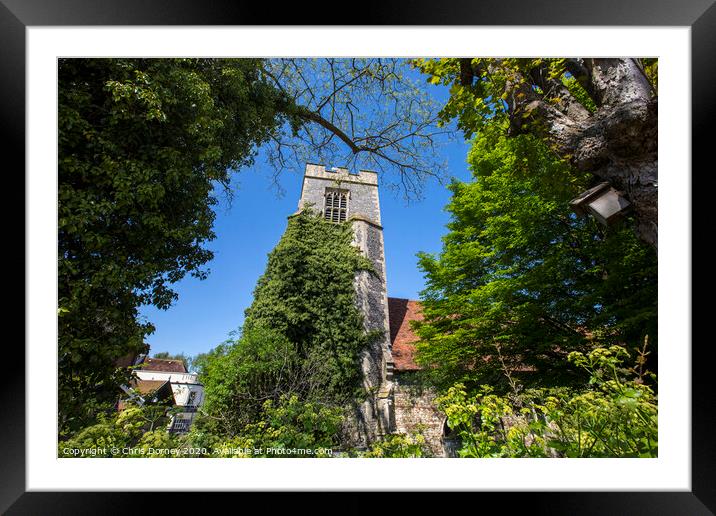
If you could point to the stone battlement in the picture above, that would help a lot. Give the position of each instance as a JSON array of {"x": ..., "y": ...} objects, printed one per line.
[{"x": 341, "y": 174}]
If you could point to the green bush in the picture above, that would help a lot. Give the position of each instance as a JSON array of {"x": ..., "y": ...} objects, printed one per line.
[
  {"x": 139, "y": 428},
  {"x": 287, "y": 428},
  {"x": 398, "y": 446},
  {"x": 615, "y": 416}
]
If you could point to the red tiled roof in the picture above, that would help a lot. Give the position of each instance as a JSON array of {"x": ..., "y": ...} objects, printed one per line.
[
  {"x": 402, "y": 337},
  {"x": 164, "y": 365}
]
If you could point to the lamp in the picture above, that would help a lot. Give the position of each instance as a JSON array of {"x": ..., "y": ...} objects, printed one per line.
[{"x": 605, "y": 203}]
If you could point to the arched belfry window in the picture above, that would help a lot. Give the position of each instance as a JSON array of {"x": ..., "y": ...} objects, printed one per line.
[{"x": 336, "y": 205}]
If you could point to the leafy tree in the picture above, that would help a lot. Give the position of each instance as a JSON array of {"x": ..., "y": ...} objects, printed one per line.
[
  {"x": 239, "y": 376},
  {"x": 614, "y": 415},
  {"x": 521, "y": 281},
  {"x": 599, "y": 114},
  {"x": 142, "y": 144},
  {"x": 302, "y": 334}
]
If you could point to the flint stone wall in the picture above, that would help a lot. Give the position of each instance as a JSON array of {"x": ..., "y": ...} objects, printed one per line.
[{"x": 416, "y": 412}]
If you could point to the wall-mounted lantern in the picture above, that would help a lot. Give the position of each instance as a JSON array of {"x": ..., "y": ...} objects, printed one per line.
[{"x": 605, "y": 203}]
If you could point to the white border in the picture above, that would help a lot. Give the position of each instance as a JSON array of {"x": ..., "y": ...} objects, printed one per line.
[{"x": 671, "y": 471}]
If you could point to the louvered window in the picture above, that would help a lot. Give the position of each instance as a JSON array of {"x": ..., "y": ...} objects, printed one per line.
[{"x": 336, "y": 205}]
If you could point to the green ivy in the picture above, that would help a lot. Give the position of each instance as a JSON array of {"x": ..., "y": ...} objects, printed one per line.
[{"x": 302, "y": 334}]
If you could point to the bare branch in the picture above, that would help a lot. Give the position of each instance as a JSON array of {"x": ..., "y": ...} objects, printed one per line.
[{"x": 365, "y": 113}]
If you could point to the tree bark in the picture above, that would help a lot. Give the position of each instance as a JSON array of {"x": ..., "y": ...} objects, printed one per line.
[{"x": 617, "y": 143}]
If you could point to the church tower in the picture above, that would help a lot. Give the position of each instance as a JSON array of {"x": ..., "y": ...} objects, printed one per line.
[{"x": 341, "y": 196}]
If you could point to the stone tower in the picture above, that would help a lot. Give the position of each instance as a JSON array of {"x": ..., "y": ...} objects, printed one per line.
[{"x": 342, "y": 196}]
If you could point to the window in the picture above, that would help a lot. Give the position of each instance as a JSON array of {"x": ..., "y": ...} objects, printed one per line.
[
  {"x": 180, "y": 425},
  {"x": 336, "y": 205},
  {"x": 192, "y": 399}
]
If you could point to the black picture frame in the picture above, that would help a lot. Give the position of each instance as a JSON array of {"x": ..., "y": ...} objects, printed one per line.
[{"x": 699, "y": 15}]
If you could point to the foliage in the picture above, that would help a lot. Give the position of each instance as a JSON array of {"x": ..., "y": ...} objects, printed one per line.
[
  {"x": 488, "y": 90},
  {"x": 598, "y": 114},
  {"x": 615, "y": 416},
  {"x": 651, "y": 70},
  {"x": 478, "y": 102},
  {"x": 240, "y": 376},
  {"x": 302, "y": 334},
  {"x": 576, "y": 89},
  {"x": 140, "y": 428},
  {"x": 142, "y": 144},
  {"x": 398, "y": 446},
  {"x": 521, "y": 281},
  {"x": 478, "y": 421},
  {"x": 288, "y": 428}
]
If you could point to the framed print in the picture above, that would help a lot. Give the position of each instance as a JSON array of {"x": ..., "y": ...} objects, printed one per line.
[{"x": 445, "y": 392}]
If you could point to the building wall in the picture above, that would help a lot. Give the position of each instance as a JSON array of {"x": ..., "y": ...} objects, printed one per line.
[
  {"x": 416, "y": 412},
  {"x": 363, "y": 188},
  {"x": 145, "y": 374},
  {"x": 182, "y": 384}
]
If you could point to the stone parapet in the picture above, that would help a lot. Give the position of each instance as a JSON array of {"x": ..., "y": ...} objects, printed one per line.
[{"x": 339, "y": 174}]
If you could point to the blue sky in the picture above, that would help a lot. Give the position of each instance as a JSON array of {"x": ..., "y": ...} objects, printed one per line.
[{"x": 207, "y": 311}]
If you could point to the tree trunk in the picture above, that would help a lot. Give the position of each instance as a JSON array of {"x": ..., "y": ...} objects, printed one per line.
[
  {"x": 617, "y": 143},
  {"x": 620, "y": 145}
]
